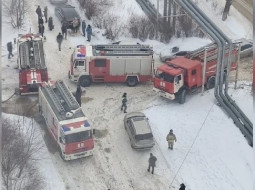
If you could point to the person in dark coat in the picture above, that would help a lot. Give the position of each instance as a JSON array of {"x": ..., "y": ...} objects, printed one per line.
[
  {"x": 39, "y": 12},
  {"x": 182, "y": 187},
  {"x": 83, "y": 27},
  {"x": 152, "y": 163},
  {"x": 59, "y": 40},
  {"x": 64, "y": 29},
  {"x": 50, "y": 23},
  {"x": 89, "y": 32},
  {"x": 45, "y": 12},
  {"x": 40, "y": 21},
  {"x": 41, "y": 29},
  {"x": 9, "y": 48},
  {"x": 124, "y": 102},
  {"x": 78, "y": 94}
]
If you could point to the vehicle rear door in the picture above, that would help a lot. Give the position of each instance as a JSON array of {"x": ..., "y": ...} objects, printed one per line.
[{"x": 99, "y": 68}]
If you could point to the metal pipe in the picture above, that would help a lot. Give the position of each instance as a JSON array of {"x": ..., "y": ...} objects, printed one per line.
[
  {"x": 230, "y": 103},
  {"x": 204, "y": 66},
  {"x": 237, "y": 68}
]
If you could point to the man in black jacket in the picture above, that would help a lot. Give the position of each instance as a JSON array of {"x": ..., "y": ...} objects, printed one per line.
[
  {"x": 59, "y": 40},
  {"x": 9, "y": 48},
  {"x": 124, "y": 102},
  {"x": 152, "y": 163},
  {"x": 78, "y": 94},
  {"x": 39, "y": 12}
]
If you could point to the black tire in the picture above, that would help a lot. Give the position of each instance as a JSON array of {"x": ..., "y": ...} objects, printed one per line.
[
  {"x": 210, "y": 83},
  {"x": 182, "y": 95},
  {"x": 85, "y": 81},
  {"x": 132, "y": 81},
  {"x": 61, "y": 154}
]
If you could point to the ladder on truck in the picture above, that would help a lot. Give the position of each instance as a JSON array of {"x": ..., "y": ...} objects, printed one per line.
[
  {"x": 125, "y": 50},
  {"x": 61, "y": 98},
  {"x": 24, "y": 55},
  {"x": 211, "y": 53}
]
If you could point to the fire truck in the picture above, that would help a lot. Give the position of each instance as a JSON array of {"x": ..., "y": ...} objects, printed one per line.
[
  {"x": 111, "y": 63},
  {"x": 65, "y": 120},
  {"x": 184, "y": 74},
  {"x": 31, "y": 63}
]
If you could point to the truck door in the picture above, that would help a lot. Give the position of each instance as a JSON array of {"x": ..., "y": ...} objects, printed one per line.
[
  {"x": 178, "y": 82},
  {"x": 99, "y": 69},
  {"x": 79, "y": 67}
]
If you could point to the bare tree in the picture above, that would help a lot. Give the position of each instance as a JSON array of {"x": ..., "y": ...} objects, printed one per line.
[
  {"x": 15, "y": 11},
  {"x": 20, "y": 150},
  {"x": 226, "y": 9}
]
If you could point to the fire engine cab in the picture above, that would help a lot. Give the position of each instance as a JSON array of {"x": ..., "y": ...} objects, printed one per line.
[
  {"x": 31, "y": 63},
  {"x": 65, "y": 120},
  {"x": 111, "y": 63},
  {"x": 182, "y": 74}
]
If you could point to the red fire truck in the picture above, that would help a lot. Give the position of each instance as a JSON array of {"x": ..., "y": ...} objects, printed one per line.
[
  {"x": 65, "y": 120},
  {"x": 31, "y": 63},
  {"x": 111, "y": 63},
  {"x": 182, "y": 74}
]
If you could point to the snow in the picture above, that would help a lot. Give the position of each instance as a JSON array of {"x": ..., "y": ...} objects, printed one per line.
[{"x": 210, "y": 152}]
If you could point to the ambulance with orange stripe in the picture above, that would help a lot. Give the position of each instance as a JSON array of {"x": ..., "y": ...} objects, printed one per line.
[
  {"x": 129, "y": 64},
  {"x": 65, "y": 120}
]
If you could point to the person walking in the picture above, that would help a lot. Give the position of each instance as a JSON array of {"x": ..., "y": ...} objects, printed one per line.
[
  {"x": 152, "y": 163},
  {"x": 89, "y": 32},
  {"x": 41, "y": 29},
  {"x": 124, "y": 102},
  {"x": 83, "y": 28},
  {"x": 78, "y": 94},
  {"x": 38, "y": 12},
  {"x": 182, "y": 187},
  {"x": 64, "y": 30},
  {"x": 75, "y": 24},
  {"x": 170, "y": 139},
  {"x": 59, "y": 40},
  {"x": 45, "y": 12},
  {"x": 50, "y": 23},
  {"x": 40, "y": 21},
  {"x": 9, "y": 48}
]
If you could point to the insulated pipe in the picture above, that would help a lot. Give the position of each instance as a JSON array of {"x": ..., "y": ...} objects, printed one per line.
[
  {"x": 188, "y": 8},
  {"x": 237, "y": 111}
]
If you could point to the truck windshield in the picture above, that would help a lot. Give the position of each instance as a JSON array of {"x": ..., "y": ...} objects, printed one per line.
[
  {"x": 164, "y": 76},
  {"x": 143, "y": 136},
  {"x": 78, "y": 137}
]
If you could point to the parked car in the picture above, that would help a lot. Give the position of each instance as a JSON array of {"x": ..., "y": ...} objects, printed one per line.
[
  {"x": 246, "y": 47},
  {"x": 139, "y": 130},
  {"x": 167, "y": 55},
  {"x": 66, "y": 13},
  {"x": 58, "y": 1}
]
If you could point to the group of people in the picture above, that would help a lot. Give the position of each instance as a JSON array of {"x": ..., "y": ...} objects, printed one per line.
[
  {"x": 40, "y": 18},
  {"x": 65, "y": 25}
]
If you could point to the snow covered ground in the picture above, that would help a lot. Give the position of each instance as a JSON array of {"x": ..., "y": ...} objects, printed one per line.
[{"x": 210, "y": 152}]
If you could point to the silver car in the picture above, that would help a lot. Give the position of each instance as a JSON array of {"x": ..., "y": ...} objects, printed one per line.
[
  {"x": 139, "y": 130},
  {"x": 167, "y": 55},
  {"x": 58, "y": 1},
  {"x": 246, "y": 47}
]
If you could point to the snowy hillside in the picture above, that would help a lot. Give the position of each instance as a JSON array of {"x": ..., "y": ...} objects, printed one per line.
[{"x": 210, "y": 152}]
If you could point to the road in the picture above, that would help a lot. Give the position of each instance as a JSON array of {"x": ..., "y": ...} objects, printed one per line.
[{"x": 244, "y": 8}]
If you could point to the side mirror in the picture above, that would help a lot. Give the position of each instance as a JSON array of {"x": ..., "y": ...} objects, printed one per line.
[
  {"x": 94, "y": 131},
  {"x": 60, "y": 140}
]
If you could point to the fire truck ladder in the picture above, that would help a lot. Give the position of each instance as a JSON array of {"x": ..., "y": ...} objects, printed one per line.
[
  {"x": 123, "y": 49},
  {"x": 199, "y": 53},
  {"x": 37, "y": 56},
  {"x": 68, "y": 97},
  {"x": 57, "y": 104},
  {"x": 24, "y": 55}
]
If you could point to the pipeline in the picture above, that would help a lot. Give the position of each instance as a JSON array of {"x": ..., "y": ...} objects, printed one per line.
[{"x": 220, "y": 40}]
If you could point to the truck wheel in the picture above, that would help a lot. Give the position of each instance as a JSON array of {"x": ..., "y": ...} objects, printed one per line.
[
  {"x": 210, "y": 83},
  {"x": 61, "y": 154},
  {"x": 85, "y": 81},
  {"x": 132, "y": 81},
  {"x": 182, "y": 95}
]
